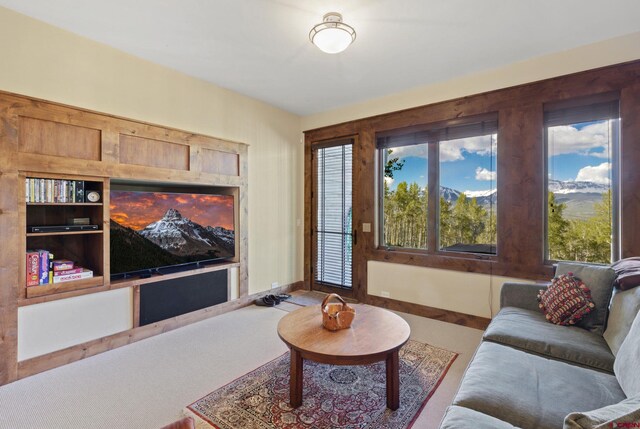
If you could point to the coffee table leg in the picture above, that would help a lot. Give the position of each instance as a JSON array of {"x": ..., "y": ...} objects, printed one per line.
[
  {"x": 393, "y": 380},
  {"x": 295, "y": 379}
]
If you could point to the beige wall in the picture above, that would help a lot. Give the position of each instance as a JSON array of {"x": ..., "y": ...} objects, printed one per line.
[
  {"x": 42, "y": 61},
  {"x": 608, "y": 52}
]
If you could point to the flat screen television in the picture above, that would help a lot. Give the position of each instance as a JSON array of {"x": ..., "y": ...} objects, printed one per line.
[{"x": 154, "y": 232}]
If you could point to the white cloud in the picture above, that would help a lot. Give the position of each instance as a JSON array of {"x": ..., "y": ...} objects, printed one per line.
[
  {"x": 485, "y": 175},
  {"x": 596, "y": 174},
  {"x": 590, "y": 140},
  {"x": 388, "y": 180},
  {"x": 451, "y": 150}
]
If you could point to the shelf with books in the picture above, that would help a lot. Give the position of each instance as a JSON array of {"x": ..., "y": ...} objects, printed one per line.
[{"x": 58, "y": 221}]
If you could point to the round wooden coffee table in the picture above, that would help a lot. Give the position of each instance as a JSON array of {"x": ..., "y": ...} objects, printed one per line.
[{"x": 375, "y": 335}]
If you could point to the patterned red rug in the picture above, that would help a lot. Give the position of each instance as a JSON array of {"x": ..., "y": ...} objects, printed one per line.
[{"x": 333, "y": 396}]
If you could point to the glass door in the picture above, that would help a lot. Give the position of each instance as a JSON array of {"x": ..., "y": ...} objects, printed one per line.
[{"x": 333, "y": 234}]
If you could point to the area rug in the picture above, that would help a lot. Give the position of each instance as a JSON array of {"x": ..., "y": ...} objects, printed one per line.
[{"x": 333, "y": 396}]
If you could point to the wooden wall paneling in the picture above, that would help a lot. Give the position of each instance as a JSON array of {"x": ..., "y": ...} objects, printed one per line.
[
  {"x": 243, "y": 218},
  {"x": 153, "y": 153},
  {"x": 12, "y": 238},
  {"x": 59, "y": 139},
  {"x": 448, "y": 316},
  {"x": 364, "y": 203},
  {"x": 308, "y": 210},
  {"x": 219, "y": 162},
  {"x": 521, "y": 196},
  {"x": 106, "y": 222},
  {"x": 630, "y": 171},
  {"x": 110, "y": 146}
]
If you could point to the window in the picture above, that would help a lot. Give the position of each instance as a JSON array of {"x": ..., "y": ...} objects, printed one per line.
[
  {"x": 333, "y": 217},
  {"x": 461, "y": 157},
  {"x": 582, "y": 164},
  {"x": 404, "y": 194},
  {"x": 468, "y": 193}
]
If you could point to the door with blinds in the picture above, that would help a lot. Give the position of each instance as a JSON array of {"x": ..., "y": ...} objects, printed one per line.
[{"x": 333, "y": 235}]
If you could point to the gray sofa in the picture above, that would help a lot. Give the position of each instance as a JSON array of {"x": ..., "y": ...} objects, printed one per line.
[{"x": 529, "y": 373}]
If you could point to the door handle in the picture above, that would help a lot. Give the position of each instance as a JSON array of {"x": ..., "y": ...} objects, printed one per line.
[{"x": 355, "y": 237}]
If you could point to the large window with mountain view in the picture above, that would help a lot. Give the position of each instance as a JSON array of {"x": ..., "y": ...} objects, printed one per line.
[
  {"x": 468, "y": 194},
  {"x": 582, "y": 165},
  {"x": 461, "y": 156}
]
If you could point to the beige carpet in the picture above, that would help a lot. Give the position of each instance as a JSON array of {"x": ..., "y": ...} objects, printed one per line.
[{"x": 148, "y": 383}]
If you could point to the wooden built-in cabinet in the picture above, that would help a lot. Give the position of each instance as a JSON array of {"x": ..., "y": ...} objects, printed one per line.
[
  {"x": 45, "y": 140},
  {"x": 85, "y": 248}
]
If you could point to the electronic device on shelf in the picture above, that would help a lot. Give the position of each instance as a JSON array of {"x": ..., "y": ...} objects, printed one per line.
[{"x": 62, "y": 228}]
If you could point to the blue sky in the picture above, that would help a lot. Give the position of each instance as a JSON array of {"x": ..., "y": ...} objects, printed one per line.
[{"x": 577, "y": 152}]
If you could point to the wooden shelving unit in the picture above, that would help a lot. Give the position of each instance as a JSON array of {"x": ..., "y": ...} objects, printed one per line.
[
  {"x": 85, "y": 248},
  {"x": 47, "y": 140}
]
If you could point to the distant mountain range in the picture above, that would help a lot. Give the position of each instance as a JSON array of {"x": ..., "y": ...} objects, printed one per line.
[
  {"x": 183, "y": 237},
  {"x": 171, "y": 240},
  {"x": 579, "y": 197}
]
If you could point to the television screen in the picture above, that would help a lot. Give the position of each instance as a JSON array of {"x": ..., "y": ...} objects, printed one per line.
[{"x": 153, "y": 230}]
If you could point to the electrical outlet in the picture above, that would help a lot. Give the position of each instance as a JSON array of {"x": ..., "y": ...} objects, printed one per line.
[
  {"x": 274, "y": 285},
  {"x": 385, "y": 294},
  {"x": 366, "y": 227}
]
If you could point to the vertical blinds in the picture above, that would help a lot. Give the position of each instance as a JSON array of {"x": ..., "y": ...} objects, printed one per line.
[{"x": 334, "y": 238}]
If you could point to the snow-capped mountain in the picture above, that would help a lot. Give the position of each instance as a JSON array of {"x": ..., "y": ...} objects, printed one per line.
[
  {"x": 484, "y": 198},
  {"x": 450, "y": 195},
  {"x": 573, "y": 187},
  {"x": 181, "y": 236}
]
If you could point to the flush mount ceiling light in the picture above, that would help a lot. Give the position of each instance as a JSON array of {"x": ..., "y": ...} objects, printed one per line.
[{"x": 332, "y": 35}]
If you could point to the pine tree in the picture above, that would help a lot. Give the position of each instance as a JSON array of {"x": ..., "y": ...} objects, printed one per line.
[{"x": 557, "y": 227}]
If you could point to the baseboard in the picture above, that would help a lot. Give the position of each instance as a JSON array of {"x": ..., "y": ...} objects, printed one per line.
[
  {"x": 61, "y": 357},
  {"x": 462, "y": 319}
]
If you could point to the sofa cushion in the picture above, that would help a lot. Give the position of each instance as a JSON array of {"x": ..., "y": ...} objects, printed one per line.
[
  {"x": 627, "y": 411},
  {"x": 627, "y": 273},
  {"x": 530, "y": 391},
  {"x": 528, "y": 330},
  {"x": 460, "y": 417},
  {"x": 566, "y": 301},
  {"x": 627, "y": 364},
  {"x": 623, "y": 310},
  {"x": 599, "y": 280}
]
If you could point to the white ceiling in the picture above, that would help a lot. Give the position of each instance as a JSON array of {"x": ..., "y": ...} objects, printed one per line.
[{"x": 260, "y": 48}]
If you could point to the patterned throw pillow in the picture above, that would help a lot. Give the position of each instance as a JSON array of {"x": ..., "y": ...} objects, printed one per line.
[{"x": 566, "y": 300}]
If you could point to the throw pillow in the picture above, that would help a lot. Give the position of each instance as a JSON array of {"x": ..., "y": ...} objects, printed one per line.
[
  {"x": 628, "y": 272},
  {"x": 612, "y": 416},
  {"x": 599, "y": 280},
  {"x": 566, "y": 300},
  {"x": 627, "y": 363}
]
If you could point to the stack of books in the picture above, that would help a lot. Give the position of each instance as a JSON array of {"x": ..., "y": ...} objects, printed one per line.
[
  {"x": 54, "y": 191},
  {"x": 42, "y": 269}
]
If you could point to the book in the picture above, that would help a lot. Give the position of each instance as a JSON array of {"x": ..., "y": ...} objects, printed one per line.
[
  {"x": 66, "y": 272},
  {"x": 85, "y": 274},
  {"x": 43, "y": 274},
  {"x": 50, "y": 268},
  {"x": 33, "y": 268},
  {"x": 79, "y": 192},
  {"x": 62, "y": 265}
]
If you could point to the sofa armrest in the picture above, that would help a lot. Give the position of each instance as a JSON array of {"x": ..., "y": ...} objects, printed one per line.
[{"x": 522, "y": 295}]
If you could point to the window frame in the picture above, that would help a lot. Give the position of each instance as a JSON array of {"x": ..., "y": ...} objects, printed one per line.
[
  {"x": 432, "y": 132},
  {"x": 585, "y": 104}
]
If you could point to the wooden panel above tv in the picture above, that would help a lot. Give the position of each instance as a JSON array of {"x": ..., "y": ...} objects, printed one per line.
[{"x": 49, "y": 140}]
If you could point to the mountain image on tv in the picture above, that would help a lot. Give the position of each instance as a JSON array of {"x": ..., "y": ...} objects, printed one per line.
[{"x": 152, "y": 230}]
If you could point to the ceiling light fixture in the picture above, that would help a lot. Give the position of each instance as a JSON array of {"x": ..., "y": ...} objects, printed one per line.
[{"x": 332, "y": 35}]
